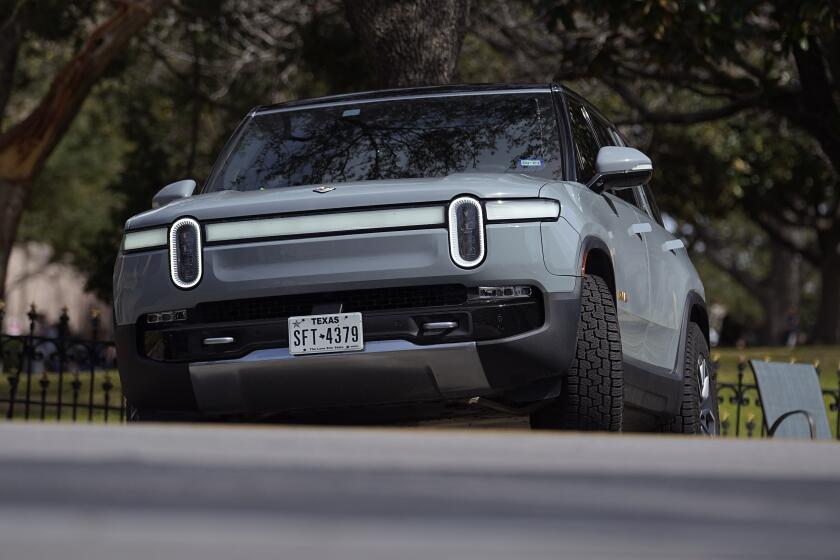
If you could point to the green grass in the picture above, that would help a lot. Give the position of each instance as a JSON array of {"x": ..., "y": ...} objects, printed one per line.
[{"x": 827, "y": 358}]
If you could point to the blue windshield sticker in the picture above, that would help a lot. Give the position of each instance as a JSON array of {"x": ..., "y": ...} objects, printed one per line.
[
  {"x": 351, "y": 112},
  {"x": 530, "y": 163}
]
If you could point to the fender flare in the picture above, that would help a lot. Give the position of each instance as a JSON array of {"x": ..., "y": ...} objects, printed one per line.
[{"x": 589, "y": 243}]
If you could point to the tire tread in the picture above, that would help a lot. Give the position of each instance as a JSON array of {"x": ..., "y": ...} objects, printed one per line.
[{"x": 593, "y": 393}]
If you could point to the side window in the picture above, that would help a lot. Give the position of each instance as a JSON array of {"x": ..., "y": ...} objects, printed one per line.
[
  {"x": 617, "y": 138},
  {"x": 650, "y": 204},
  {"x": 586, "y": 147},
  {"x": 628, "y": 195},
  {"x": 604, "y": 132}
]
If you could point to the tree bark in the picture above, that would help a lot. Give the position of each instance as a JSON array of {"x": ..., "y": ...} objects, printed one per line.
[
  {"x": 780, "y": 294},
  {"x": 410, "y": 42},
  {"x": 827, "y": 329},
  {"x": 25, "y": 147},
  {"x": 12, "y": 201},
  {"x": 9, "y": 49}
]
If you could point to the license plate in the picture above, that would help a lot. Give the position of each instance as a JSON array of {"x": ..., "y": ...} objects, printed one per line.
[{"x": 319, "y": 334}]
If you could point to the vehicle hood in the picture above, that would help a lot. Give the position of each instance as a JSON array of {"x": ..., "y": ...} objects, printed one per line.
[{"x": 236, "y": 204}]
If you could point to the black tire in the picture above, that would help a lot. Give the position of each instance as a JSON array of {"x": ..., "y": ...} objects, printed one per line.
[
  {"x": 592, "y": 397},
  {"x": 699, "y": 407}
]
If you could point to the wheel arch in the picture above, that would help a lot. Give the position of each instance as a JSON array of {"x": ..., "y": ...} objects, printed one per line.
[
  {"x": 697, "y": 313},
  {"x": 596, "y": 259}
]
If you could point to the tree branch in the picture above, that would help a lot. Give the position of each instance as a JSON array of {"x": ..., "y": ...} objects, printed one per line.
[
  {"x": 25, "y": 147},
  {"x": 715, "y": 245},
  {"x": 779, "y": 235},
  {"x": 651, "y": 116}
]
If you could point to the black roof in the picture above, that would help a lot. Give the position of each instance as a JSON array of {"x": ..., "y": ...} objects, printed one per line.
[{"x": 400, "y": 92}]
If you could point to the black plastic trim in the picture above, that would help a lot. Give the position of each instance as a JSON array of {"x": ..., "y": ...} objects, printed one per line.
[
  {"x": 537, "y": 355},
  {"x": 651, "y": 388},
  {"x": 656, "y": 389},
  {"x": 150, "y": 384},
  {"x": 476, "y": 322}
]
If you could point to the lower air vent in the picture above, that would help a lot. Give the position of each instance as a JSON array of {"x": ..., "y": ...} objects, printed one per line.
[
  {"x": 279, "y": 307},
  {"x": 185, "y": 253}
]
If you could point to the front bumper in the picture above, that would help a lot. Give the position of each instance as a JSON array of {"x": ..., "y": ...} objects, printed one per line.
[{"x": 269, "y": 380}]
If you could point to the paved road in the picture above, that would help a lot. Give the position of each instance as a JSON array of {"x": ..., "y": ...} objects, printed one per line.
[{"x": 305, "y": 493}]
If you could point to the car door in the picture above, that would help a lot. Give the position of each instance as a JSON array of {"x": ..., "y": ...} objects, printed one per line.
[
  {"x": 624, "y": 237},
  {"x": 670, "y": 274},
  {"x": 631, "y": 263}
]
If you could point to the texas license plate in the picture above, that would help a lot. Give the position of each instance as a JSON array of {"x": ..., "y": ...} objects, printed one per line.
[{"x": 319, "y": 334}]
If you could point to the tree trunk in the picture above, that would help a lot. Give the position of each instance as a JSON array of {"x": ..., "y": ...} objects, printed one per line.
[
  {"x": 9, "y": 49},
  {"x": 12, "y": 200},
  {"x": 780, "y": 294},
  {"x": 25, "y": 147},
  {"x": 828, "y": 318},
  {"x": 410, "y": 42}
]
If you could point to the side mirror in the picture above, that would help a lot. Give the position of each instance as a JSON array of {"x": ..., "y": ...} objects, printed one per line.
[
  {"x": 618, "y": 167},
  {"x": 172, "y": 192}
]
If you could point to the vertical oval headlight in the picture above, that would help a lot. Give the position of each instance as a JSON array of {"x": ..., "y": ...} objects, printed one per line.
[
  {"x": 185, "y": 252},
  {"x": 466, "y": 232}
]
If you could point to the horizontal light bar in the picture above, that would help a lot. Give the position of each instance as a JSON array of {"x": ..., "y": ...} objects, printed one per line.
[
  {"x": 145, "y": 239},
  {"x": 325, "y": 223},
  {"x": 529, "y": 209}
]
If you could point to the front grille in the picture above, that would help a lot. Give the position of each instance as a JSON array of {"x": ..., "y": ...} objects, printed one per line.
[{"x": 352, "y": 301}]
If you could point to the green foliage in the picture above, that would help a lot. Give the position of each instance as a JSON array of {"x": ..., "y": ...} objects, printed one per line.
[
  {"x": 171, "y": 100},
  {"x": 72, "y": 202}
]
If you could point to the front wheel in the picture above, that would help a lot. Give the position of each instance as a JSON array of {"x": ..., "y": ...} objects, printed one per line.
[
  {"x": 699, "y": 408},
  {"x": 592, "y": 397}
]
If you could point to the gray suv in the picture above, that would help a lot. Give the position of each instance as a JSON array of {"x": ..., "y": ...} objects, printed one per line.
[{"x": 419, "y": 253}]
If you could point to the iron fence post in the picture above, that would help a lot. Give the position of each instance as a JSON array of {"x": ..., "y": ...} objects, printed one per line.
[
  {"x": 63, "y": 329},
  {"x": 94, "y": 320},
  {"x": 739, "y": 394},
  {"x": 837, "y": 404},
  {"x": 44, "y": 382},
  {"x": 12, "y": 380},
  {"x": 30, "y": 356},
  {"x": 106, "y": 387},
  {"x": 76, "y": 385}
]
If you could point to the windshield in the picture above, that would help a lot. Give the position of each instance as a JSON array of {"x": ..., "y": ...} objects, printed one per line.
[{"x": 394, "y": 139}]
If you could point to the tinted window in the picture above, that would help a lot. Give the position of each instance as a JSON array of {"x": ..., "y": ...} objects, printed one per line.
[
  {"x": 627, "y": 194},
  {"x": 652, "y": 208},
  {"x": 395, "y": 139},
  {"x": 586, "y": 147},
  {"x": 604, "y": 132}
]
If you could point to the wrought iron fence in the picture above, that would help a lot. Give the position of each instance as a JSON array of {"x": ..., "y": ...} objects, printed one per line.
[
  {"x": 67, "y": 378},
  {"x": 742, "y": 400},
  {"x": 59, "y": 377}
]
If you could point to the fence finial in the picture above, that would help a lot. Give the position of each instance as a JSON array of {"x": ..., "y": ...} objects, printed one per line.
[{"x": 750, "y": 425}]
